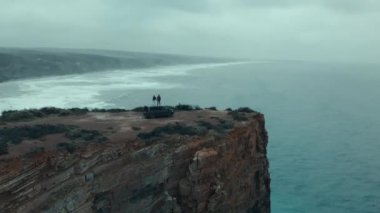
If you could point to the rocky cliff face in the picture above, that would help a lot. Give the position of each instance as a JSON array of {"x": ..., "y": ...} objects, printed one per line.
[{"x": 217, "y": 170}]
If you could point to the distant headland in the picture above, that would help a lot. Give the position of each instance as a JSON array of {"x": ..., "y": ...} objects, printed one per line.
[{"x": 20, "y": 63}]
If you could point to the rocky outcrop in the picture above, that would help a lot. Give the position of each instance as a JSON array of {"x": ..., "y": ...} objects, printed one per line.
[{"x": 214, "y": 172}]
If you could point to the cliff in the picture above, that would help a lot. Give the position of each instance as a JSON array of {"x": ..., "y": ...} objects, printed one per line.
[{"x": 197, "y": 161}]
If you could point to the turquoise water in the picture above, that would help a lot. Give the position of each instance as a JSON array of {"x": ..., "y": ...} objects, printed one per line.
[
  {"x": 323, "y": 123},
  {"x": 323, "y": 120}
]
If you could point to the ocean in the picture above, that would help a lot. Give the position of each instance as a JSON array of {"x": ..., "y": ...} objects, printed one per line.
[{"x": 322, "y": 118}]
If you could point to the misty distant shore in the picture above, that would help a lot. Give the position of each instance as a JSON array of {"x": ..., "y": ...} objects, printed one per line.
[{"x": 16, "y": 63}]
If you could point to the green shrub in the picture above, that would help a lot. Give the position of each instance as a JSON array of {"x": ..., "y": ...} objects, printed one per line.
[
  {"x": 212, "y": 108},
  {"x": 109, "y": 110},
  {"x": 136, "y": 128},
  {"x": 69, "y": 147},
  {"x": 225, "y": 124},
  {"x": 206, "y": 124},
  {"x": 51, "y": 110},
  {"x": 12, "y": 115},
  {"x": 220, "y": 127},
  {"x": 85, "y": 135},
  {"x": 29, "y": 114},
  {"x": 245, "y": 109},
  {"x": 179, "y": 107},
  {"x": 184, "y": 107},
  {"x": 197, "y": 108},
  {"x": 240, "y": 113},
  {"x": 238, "y": 116},
  {"x": 3, "y": 148},
  {"x": 78, "y": 111},
  {"x": 139, "y": 109},
  {"x": 17, "y": 134},
  {"x": 35, "y": 150},
  {"x": 170, "y": 129}
]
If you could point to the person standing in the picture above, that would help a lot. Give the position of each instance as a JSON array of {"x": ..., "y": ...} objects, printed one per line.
[
  {"x": 154, "y": 100},
  {"x": 158, "y": 100}
]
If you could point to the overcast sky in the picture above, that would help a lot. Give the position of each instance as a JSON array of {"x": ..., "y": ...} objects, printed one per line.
[{"x": 333, "y": 30}]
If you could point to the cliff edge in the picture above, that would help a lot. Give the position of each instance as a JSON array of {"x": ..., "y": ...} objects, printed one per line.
[{"x": 196, "y": 161}]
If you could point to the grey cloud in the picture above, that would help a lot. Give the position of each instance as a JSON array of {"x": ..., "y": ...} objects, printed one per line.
[
  {"x": 338, "y": 5},
  {"x": 343, "y": 30},
  {"x": 207, "y": 5}
]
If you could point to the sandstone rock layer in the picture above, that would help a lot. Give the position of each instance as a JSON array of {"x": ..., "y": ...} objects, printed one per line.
[{"x": 214, "y": 172}]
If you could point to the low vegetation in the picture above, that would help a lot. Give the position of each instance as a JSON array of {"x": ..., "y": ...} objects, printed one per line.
[
  {"x": 179, "y": 107},
  {"x": 182, "y": 129},
  {"x": 220, "y": 127},
  {"x": 35, "y": 151},
  {"x": 3, "y": 148},
  {"x": 245, "y": 109},
  {"x": 186, "y": 107},
  {"x": 69, "y": 147},
  {"x": 30, "y": 114},
  {"x": 240, "y": 114},
  {"x": 136, "y": 128},
  {"x": 139, "y": 109},
  {"x": 16, "y": 135},
  {"x": 171, "y": 129},
  {"x": 115, "y": 110},
  {"x": 83, "y": 135}
]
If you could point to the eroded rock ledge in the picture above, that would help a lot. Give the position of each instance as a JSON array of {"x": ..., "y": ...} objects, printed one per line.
[{"x": 221, "y": 168}]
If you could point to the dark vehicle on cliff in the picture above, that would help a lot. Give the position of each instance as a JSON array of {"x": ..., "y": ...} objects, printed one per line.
[{"x": 158, "y": 112}]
